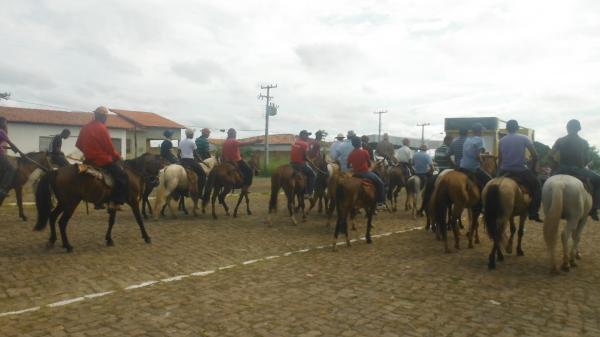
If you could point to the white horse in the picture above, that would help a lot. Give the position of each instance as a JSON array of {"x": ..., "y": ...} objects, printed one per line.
[
  {"x": 174, "y": 177},
  {"x": 564, "y": 197},
  {"x": 414, "y": 187}
]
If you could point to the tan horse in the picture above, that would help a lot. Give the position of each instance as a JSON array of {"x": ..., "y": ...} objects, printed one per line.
[
  {"x": 503, "y": 200},
  {"x": 293, "y": 184},
  {"x": 25, "y": 168}
]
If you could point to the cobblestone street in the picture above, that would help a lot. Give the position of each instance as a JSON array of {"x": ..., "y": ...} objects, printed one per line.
[{"x": 240, "y": 277}]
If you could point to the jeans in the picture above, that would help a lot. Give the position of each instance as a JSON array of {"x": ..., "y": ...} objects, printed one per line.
[
  {"x": 247, "y": 173},
  {"x": 59, "y": 159},
  {"x": 120, "y": 192},
  {"x": 7, "y": 174},
  {"x": 533, "y": 184},
  {"x": 585, "y": 173},
  {"x": 310, "y": 175},
  {"x": 379, "y": 188}
]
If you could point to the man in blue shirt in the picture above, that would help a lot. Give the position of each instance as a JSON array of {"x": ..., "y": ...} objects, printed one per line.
[
  {"x": 456, "y": 148},
  {"x": 343, "y": 151},
  {"x": 423, "y": 165},
  {"x": 471, "y": 156},
  {"x": 511, "y": 160}
]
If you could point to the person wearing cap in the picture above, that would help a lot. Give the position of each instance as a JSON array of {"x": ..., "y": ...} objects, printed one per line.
[
  {"x": 456, "y": 148},
  {"x": 298, "y": 160},
  {"x": 360, "y": 163},
  {"x": 386, "y": 149},
  {"x": 187, "y": 147},
  {"x": 343, "y": 151},
  {"x": 202, "y": 145},
  {"x": 166, "y": 147},
  {"x": 471, "y": 156},
  {"x": 231, "y": 153},
  {"x": 97, "y": 147},
  {"x": 314, "y": 146},
  {"x": 423, "y": 165},
  {"x": 364, "y": 139},
  {"x": 574, "y": 155},
  {"x": 55, "y": 149},
  {"x": 338, "y": 141},
  {"x": 511, "y": 160},
  {"x": 6, "y": 167},
  {"x": 404, "y": 156}
]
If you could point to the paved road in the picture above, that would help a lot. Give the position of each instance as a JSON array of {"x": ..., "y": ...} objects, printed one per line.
[{"x": 280, "y": 282}]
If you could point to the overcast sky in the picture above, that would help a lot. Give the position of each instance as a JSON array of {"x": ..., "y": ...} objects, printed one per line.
[{"x": 201, "y": 63}]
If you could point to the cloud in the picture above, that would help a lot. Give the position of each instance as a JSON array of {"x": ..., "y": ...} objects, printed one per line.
[
  {"x": 329, "y": 57},
  {"x": 13, "y": 76},
  {"x": 200, "y": 71}
]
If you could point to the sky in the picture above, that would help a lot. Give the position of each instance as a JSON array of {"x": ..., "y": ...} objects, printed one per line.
[{"x": 335, "y": 62}]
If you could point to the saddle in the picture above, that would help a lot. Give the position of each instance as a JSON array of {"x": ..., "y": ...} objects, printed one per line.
[
  {"x": 97, "y": 173},
  {"x": 366, "y": 183},
  {"x": 587, "y": 184},
  {"x": 520, "y": 182}
]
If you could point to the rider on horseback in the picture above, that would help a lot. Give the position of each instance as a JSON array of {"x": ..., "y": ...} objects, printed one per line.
[
  {"x": 511, "y": 160},
  {"x": 314, "y": 147},
  {"x": 56, "y": 155},
  {"x": 365, "y": 145},
  {"x": 298, "y": 157},
  {"x": 231, "y": 153},
  {"x": 202, "y": 145},
  {"x": 574, "y": 155},
  {"x": 339, "y": 141},
  {"x": 359, "y": 161},
  {"x": 471, "y": 156},
  {"x": 95, "y": 143},
  {"x": 165, "y": 148},
  {"x": 386, "y": 149},
  {"x": 405, "y": 156},
  {"x": 5, "y": 166},
  {"x": 423, "y": 165},
  {"x": 456, "y": 148},
  {"x": 187, "y": 148},
  {"x": 442, "y": 155},
  {"x": 343, "y": 151}
]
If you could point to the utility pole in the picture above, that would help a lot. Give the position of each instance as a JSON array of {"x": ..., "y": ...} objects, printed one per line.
[
  {"x": 422, "y": 125},
  {"x": 5, "y": 95},
  {"x": 269, "y": 108},
  {"x": 379, "y": 132}
]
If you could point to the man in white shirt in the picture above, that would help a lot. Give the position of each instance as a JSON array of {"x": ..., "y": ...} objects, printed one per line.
[
  {"x": 339, "y": 140},
  {"x": 188, "y": 147},
  {"x": 405, "y": 155}
]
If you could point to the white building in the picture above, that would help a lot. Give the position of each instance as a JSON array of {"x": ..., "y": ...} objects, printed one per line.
[{"x": 32, "y": 129}]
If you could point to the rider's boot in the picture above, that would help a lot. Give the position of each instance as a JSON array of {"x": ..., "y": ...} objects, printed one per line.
[{"x": 594, "y": 214}]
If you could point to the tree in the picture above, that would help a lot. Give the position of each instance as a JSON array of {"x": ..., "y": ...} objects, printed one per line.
[{"x": 542, "y": 151}]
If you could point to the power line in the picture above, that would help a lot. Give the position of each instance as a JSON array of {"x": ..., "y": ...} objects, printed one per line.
[{"x": 269, "y": 108}]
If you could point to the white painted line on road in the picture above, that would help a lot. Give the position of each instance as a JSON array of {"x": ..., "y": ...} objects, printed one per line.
[
  {"x": 10, "y": 313},
  {"x": 90, "y": 296},
  {"x": 65, "y": 302},
  {"x": 200, "y": 273},
  {"x": 251, "y": 261},
  {"x": 174, "y": 278},
  {"x": 141, "y": 285}
]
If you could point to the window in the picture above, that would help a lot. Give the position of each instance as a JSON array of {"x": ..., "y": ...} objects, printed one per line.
[
  {"x": 45, "y": 143},
  {"x": 128, "y": 145},
  {"x": 117, "y": 144}
]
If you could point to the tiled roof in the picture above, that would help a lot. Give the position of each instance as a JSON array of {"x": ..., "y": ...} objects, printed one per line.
[
  {"x": 57, "y": 117},
  {"x": 147, "y": 119},
  {"x": 281, "y": 139}
]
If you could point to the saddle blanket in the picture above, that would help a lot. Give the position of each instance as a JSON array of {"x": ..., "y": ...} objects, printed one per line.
[{"x": 97, "y": 173}]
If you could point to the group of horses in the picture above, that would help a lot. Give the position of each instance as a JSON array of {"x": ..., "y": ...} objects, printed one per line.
[{"x": 444, "y": 199}]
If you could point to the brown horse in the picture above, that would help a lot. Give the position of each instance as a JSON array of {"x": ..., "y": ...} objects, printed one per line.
[
  {"x": 293, "y": 184},
  {"x": 25, "y": 167},
  {"x": 71, "y": 187},
  {"x": 150, "y": 165},
  {"x": 353, "y": 194},
  {"x": 396, "y": 181},
  {"x": 322, "y": 178},
  {"x": 503, "y": 199},
  {"x": 222, "y": 180}
]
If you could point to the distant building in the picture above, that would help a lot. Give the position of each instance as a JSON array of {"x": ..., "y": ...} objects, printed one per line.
[
  {"x": 279, "y": 146},
  {"x": 414, "y": 142},
  {"x": 32, "y": 129}
]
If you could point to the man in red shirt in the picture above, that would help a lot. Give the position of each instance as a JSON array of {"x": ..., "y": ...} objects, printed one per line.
[
  {"x": 360, "y": 162},
  {"x": 314, "y": 146},
  {"x": 298, "y": 156},
  {"x": 231, "y": 152},
  {"x": 95, "y": 143}
]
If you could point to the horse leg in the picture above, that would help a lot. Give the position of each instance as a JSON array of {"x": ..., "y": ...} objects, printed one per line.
[
  {"x": 19, "y": 196},
  {"x": 370, "y": 213},
  {"x": 213, "y": 199},
  {"x": 64, "y": 219},
  {"x": 181, "y": 205},
  {"x": 53, "y": 216},
  {"x": 456, "y": 212},
  {"x": 140, "y": 221},
  {"x": 112, "y": 214},
  {"x": 492, "y": 256},
  {"x": 235, "y": 210},
  {"x": 513, "y": 229},
  {"x": 566, "y": 234},
  {"x": 576, "y": 238},
  {"x": 247, "y": 203},
  {"x": 222, "y": 196},
  {"x": 289, "y": 193},
  {"x": 170, "y": 207},
  {"x": 521, "y": 233}
]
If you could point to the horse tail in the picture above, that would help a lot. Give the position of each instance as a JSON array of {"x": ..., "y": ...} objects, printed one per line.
[
  {"x": 43, "y": 200},
  {"x": 493, "y": 211},
  {"x": 210, "y": 182},
  {"x": 440, "y": 203},
  {"x": 553, "y": 214},
  {"x": 275, "y": 185}
]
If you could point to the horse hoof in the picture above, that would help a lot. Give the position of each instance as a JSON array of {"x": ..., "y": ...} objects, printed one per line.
[
  {"x": 554, "y": 271},
  {"x": 69, "y": 249},
  {"x": 471, "y": 246},
  {"x": 477, "y": 241},
  {"x": 520, "y": 253},
  {"x": 369, "y": 240},
  {"x": 249, "y": 213},
  {"x": 573, "y": 264},
  {"x": 578, "y": 256},
  {"x": 235, "y": 215},
  {"x": 491, "y": 266},
  {"x": 50, "y": 245},
  {"x": 148, "y": 239},
  {"x": 565, "y": 268},
  {"x": 24, "y": 218},
  {"x": 500, "y": 258}
]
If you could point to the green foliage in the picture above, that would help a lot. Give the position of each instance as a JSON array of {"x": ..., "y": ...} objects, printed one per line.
[
  {"x": 543, "y": 150},
  {"x": 595, "y": 159}
]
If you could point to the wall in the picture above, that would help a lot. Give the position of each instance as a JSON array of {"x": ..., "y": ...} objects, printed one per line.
[{"x": 27, "y": 136}]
